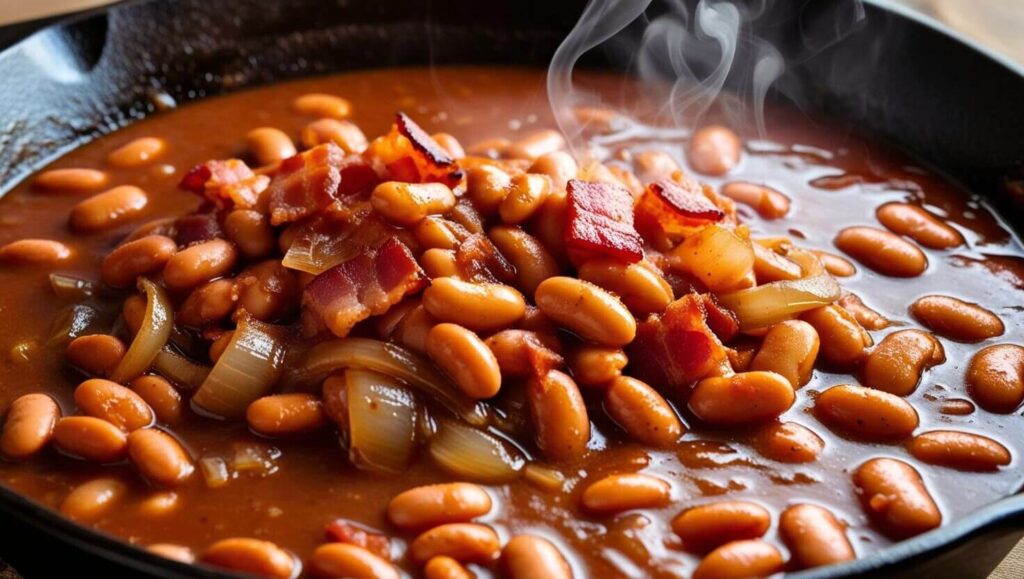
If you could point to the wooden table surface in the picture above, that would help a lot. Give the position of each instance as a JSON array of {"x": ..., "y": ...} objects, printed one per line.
[{"x": 993, "y": 23}]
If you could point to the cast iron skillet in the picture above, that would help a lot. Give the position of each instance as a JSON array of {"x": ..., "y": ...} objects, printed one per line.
[{"x": 882, "y": 71}]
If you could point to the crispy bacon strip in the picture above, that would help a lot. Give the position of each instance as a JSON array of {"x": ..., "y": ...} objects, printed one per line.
[
  {"x": 600, "y": 220},
  {"x": 669, "y": 209},
  {"x": 677, "y": 348},
  {"x": 311, "y": 181},
  {"x": 409, "y": 154},
  {"x": 225, "y": 183},
  {"x": 479, "y": 261},
  {"x": 342, "y": 531},
  {"x": 363, "y": 286}
]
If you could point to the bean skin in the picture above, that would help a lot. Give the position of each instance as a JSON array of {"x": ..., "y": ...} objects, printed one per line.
[
  {"x": 464, "y": 542},
  {"x": 814, "y": 536},
  {"x": 866, "y": 413},
  {"x": 286, "y": 414},
  {"x": 895, "y": 498},
  {"x": 638, "y": 285},
  {"x": 537, "y": 144},
  {"x": 898, "y": 362},
  {"x": 956, "y": 319},
  {"x": 442, "y": 567},
  {"x": 137, "y": 153},
  {"x": 753, "y": 558},
  {"x": 789, "y": 349},
  {"x": 835, "y": 265},
  {"x": 113, "y": 403},
  {"x": 882, "y": 251},
  {"x": 199, "y": 264},
  {"x": 96, "y": 354},
  {"x": 959, "y": 450},
  {"x": 919, "y": 225},
  {"x": 705, "y": 527},
  {"x": 642, "y": 412},
  {"x": 466, "y": 358},
  {"x": 71, "y": 180},
  {"x": 107, "y": 209},
  {"x": 269, "y": 145},
  {"x": 251, "y": 556},
  {"x": 529, "y": 556},
  {"x": 559, "y": 416},
  {"x": 842, "y": 341},
  {"x": 88, "y": 501},
  {"x": 789, "y": 442},
  {"x": 624, "y": 492},
  {"x": 322, "y": 105},
  {"x": 350, "y": 561},
  {"x": 90, "y": 439},
  {"x": 29, "y": 426},
  {"x": 528, "y": 192},
  {"x": 159, "y": 457},
  {"x": 173, "y": 552},
  {"x": 475, "y": 306},
  {"x": 596, "y": 365},
  {"x": 741, "y": 399},
  {"x": 769, "y": 203},
  {"x": 34, "y": 252},
  {"x": 995, "y": 377},
  {"x": 532, "y": 261},
  {"x": 586, "y": 310},
  {"x": 714, "y": 150},
  {"x": 438, "y": 504}
]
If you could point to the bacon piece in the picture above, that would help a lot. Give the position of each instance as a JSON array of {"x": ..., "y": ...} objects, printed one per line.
[
  {"x": 677, "y": 348},
  {"x": 366, "y": 285},
  {"x": 311, "y": 181},
  {"x": 600, "y": 220},
  {"x": 669, "y": 209},
  {"x": 326, "y": 241},
  {"x": 479, "y": 261},
  {"x": 343, "y": 531},
  {"x": 720, "y": 319},
  {"x": 196, "y": 228},
  {"x": 409, "y": 154},
  {"x": 225, "y": 183},
  {"x": 423, "y": 142}
]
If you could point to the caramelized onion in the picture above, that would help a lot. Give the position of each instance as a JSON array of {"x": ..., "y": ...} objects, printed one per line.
[
  {"x": 767, "y": 304},
  {"x": 395, "y": 361},
  {"x": 152, "y": 336},
  {"x": 69, "y": 287},
  {"x": 719, "y": 258},
  {"x": 473, "y": 454},
  {"x": 382, "y": 415},
  {"x": 180, "y": 370},
  {"x": 248, "y": 369}
]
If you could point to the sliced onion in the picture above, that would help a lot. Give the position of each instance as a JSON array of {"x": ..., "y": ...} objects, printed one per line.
[
  {"x": 69, "y": 287},
  {"x": 77, "y": 320},
  {"x": 473, "y": 454},
  {"x": 767, "y": 304},
  {"x": 719, "y": 258},
  {"x": 544, "y": 476},
  {"x": 152, "y": 336},
  {"x": 382, "y": 415},
  {"x": 178, "y": 369},
  {"x": 215, "y": 471},
  {"x": 247, "y": 370},
  {"x": 327, "y": 357}
]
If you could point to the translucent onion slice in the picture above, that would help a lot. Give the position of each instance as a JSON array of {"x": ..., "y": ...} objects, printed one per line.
[
  {"x": 156, "y": 328},
  {"x": 69, "y": 287},
  {"x": 382, "y": 416},
  {"x": 717, "y": 257},
  {"x": 248, "y": 369},
  {"x": 767, "y": 304},
  {"x": 178, "y": 369},
  {"x": 327, "y": 357},
  {"x": 473, "y": 454}
]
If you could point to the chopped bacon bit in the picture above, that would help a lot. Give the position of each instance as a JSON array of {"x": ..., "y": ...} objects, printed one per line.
[
  {"x": 600, "y": 220},
  {"x": 721, "y": 320},
  {"x": 225, "y": 183},
  {"x": 364, "y": 286},
  {"x": 677, "y": 348},
  {"x": 196, "y": 228},
  {"x": 479, "y": 261},
  {"x": 423, "y": 142},
  {"x": 311, "y": 181},
  {"x": 668, "y": 209},
  {"x": 342, "y": 531},
  {"x": 325, "y": 241},
  {"x": 409, "y": 154}
]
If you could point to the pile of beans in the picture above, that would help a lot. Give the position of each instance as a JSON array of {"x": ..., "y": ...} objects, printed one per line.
[{"x": 483, "y": 335}]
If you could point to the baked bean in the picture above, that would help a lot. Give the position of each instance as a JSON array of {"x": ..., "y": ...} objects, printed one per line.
[
  {"x": 834, "y": 264},
  {"x": 137, "y": 153},
  {"x": 251, "y": 232},
  {"x": 624, "y": 492},
  {"x": 527, "y": 254},
  {"x": 408, "y": 203},
  {"x": 267, "y": 291},
  {"x": 995, "y": 377},
  {"x": 753, "y": 558},
  {"x": 439, "y": 504},
  {"x": 29, "y": 425},
  {"x": 161, "y": 396},
  {"x": 439, "y": 263},
  {"x": 866, "y": 413},
  {"x": 896, "y": 365},
  {"x": 129, "y": 260},
  {"x": 770, "y": 266},
  {"x": 956, "y": 319},
  {"x": 549, "y": 224},
  {"x": 199, "y": 264},
  {"x": 107, "y": 209},
  {"x": 559, "y": 166},
  {"x": 596, "y": 365},
  {"x": 526, "y": 195},
  {"x": 487, "y": 187},
  {"x": 268, "y": 145},
  {"x": 529, "y": 556},
  {"x": 113, "y": 403},
  {"x": 536, "y": 144},
  {"x": 640, "y": 287},
  {"x": 959, "y": 450},
  {"x": 466, "y": 358},
  {"x": 919, "y": 225},
  {"x": 882, "y": 251},
  {"x": 450, "y": 144},
  {"x": 286, "y": 414},
  {"x": 741, "y": 399},
  {"x": 412, "y": 331},
  {"x": 345, "y": 134},
  {"x": 789, "y": 349},
  {"x": 842, "y": 340},
  {"x": 436, "y": 232},
  {"x": 587, "y": 310},
  {"x": 442, "y": 567},
  {"x": 895, "y": 498},
  {"x": 464, "y": 542},
  {"x": 90, "y": 438},
  {"x": 706, "y": 527},
  {"x": 159, "y": 504},
  {"x": 173, "y": 552},
  {"x": 476, "y": 306},
  {"x": 322, "y": 105},
  {"x": 642, "y": 412},
  {"x": 466, "y": 216},
  {"x": 88, "y": 501},
  {"x": 868, "y": 318},
  {"x": 252, "y": 556},
  {"x": 653, "y": 166},
  {"x": 814, "y": 536},
  {"x": 559, "y": 416},
  {"x": 134, "y": 312},
  {"x": 34, "y": 252},
  {"x": 159, "y": 457},
  {"x": 516, "y": 351},
  {"x": 714, "y": 150},
  {"x": 350, "y": 561},
  {"x": 788, "y": 442},
  {"x": 71, "y": 180},
  {"x": 96, "y": 354},
  {"x": 208, "y": 303},
  {"x": 741, "y": 357},
  {"x": 769, "y": 203}
]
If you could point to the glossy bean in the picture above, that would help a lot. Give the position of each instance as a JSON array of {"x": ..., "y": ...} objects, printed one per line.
[
  {"x": 882, "y": 251},
  {"x": 834, "y": 264},
  {"x": 466, "y": 358},
  {"x": 251, "y": 556},
  {"x": 596, "y": 365},
  {"x": 464, "y": 542},
  {"x": 34, "y": 252},
  {"x": 345, "y": 134},
  {"x": 89, "y": 501},
  {"x": 137, "y": 153},
  {"x": 814, "y": 536},
  {"x": 71, "y": 180},
  {"x": 438, "y": 504},
  {"x": 268, "y": 145},
  {"x": 528, "y": 556},
  {"x": 959, "y": 450},
  {"x": 159, "y": 504},
  {"x": 898, "y": 362},
  {"x": 113, "y": 403},
  {"x": 894, "y": 498},
  {"x": 788, "y": 442},
  {"x": 842, "y": 340},
  {"x": 639, "y": 285},
  {"x": 559, "y": 416},
  {"x": 753, "y": 558},
  {"x": 438, "y": 263},
  {"x": 559, "y": 166},
  {"x": 208, "y": 303},
  {"x": 159, "y": 457},
  {"x": 90, "y": 438},
  {"x": 995, "y": 377},
  {"x": 527, "y": 193},
  {"x": 128, "y": 261},
  {"x": 412, "y": 331},
  {"x": 476, "y": 306},
  {"x": 95, "y": 354},
  {"x": 161, "y": 396},
  {"x": 868, "y": 318},
  {"x": 350, "y": 561},
  {"x": 198, "y": 264},
  {"x": 741, "y": 399},
  {"x": 587, "y": 310},
  {"x": 442, "y": 567},
  {"x": 706, "y": 527},
  {"x": 487, "y": 187},
  {"x": 251, "y": 232},
  {"x": 107, "y": 209},
  {"x": 29, "y": 426},
  {"x": 179, "y": 553},
  {"x": 533, "y": 263},
  {"x": 919, "y": 225},
  {"x": 642, "y": 412},
  {"x": 866, "y": 413},
  {"x": 956, "y": 319},
  {"x": 624, "y": 492},
  {"x": 408, "y": 203},
  {"x": 267, "y": 291},
  {"x": 536, "y": 144},
  {"x": 789, "y": 349},
  {"x": 290, "y": 414},
  {"x": 654, "y": 165},
  {"x": 322, "y": 105},
  {"x": 769, "y": 203},
  {"x": 714, "y": 150},
  {"x": 450, "y": 144}
]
